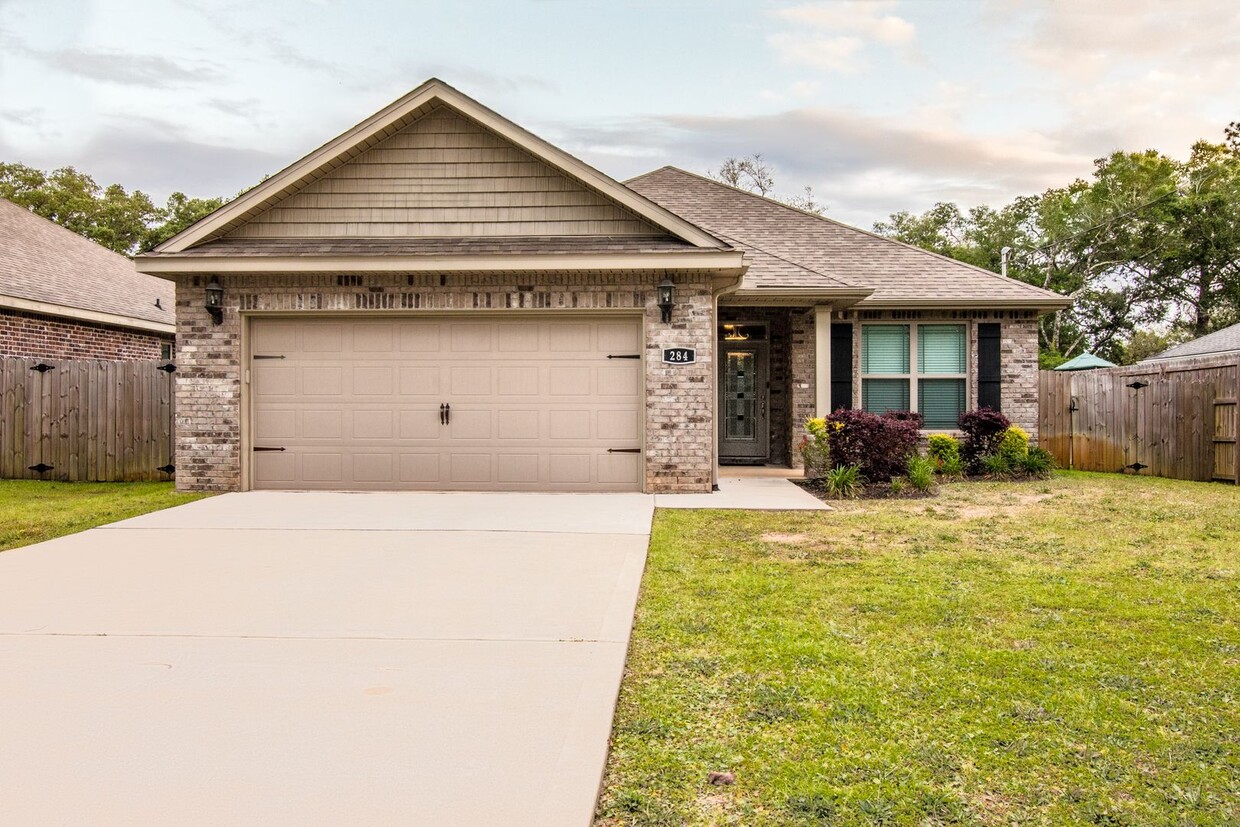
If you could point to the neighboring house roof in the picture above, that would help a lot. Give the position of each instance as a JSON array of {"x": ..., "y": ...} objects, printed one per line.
[
  {"x": 894, "y": 274},
  {"x": 1218, "y": 343},
  {"x": 1086, "y": 361},
  {"x": 45, "y": 268}
]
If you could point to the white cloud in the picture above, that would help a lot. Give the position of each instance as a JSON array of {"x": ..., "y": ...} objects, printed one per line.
[{"x": 832, "y": 36}]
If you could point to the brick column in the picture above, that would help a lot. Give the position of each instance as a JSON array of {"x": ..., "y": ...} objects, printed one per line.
[{"x": 802, "y": 375}]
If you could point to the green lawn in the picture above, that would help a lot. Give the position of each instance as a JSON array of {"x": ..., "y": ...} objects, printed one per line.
[
  {"x": 32, "y": 511},
  {"x": 1056, "y": 652}
]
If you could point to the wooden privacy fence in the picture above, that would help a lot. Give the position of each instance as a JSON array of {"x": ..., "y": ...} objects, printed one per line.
[
  {"x": 1174, "y": 420},
  {"x": 86, "y": 420}
]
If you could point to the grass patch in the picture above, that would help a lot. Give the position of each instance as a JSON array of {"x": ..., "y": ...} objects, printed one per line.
[
  {"x": 32, "y": 511},
  {"x": 1063, "y": 651}
]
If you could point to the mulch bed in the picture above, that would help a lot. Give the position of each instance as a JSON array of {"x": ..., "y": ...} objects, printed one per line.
[{"x": 884, "y": 491}]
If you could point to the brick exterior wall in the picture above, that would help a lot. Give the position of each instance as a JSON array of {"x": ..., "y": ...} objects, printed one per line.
[
  {"x": 804, "y": 365},
  {"x": 1018, "y": 355},
  {"x": 679, "y": 448},
  {"x": 40, "y": 336}
]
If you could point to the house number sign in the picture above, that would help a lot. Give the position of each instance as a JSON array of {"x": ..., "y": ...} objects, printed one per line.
[{"x": 679, "y": 355}]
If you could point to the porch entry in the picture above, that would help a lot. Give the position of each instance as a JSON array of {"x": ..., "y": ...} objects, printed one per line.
[{"x": 744, "y": 367}]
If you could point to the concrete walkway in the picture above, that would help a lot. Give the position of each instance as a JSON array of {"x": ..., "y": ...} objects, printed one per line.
[
  {"x": 756, "y": 489},
  {"x": 307, "y": 658}
]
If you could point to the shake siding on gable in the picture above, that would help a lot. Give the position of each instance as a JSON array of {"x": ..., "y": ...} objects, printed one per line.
[{"x": 444, "y": 176}]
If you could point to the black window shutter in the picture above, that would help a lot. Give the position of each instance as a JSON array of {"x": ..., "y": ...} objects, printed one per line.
[
  {"x": 841, "y": 366},
  {"x": 989, "y": 367}
]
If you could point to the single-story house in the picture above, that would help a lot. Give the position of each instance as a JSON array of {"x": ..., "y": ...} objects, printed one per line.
[
  {"x": 1225, "y": 342},
  {"x": 438, "y": 299},
  {"x": 63, "y": 296}
]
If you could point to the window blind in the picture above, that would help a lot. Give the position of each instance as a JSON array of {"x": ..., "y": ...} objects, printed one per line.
[
  {"x": 885, "y": 348},
  {"x": 940, "y": 402},
  {"x": 882, "y": 395},
  {"x": 940, "y": 348}
]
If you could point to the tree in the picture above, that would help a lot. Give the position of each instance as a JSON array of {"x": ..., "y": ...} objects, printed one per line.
[
  {"x": 124, "y": 222},
  {"x": 110, "y": 216},
  {"x": 1147, "y": 240},
  {"x": 178, "y": 213},
  {"x": 754, "y": 174}
]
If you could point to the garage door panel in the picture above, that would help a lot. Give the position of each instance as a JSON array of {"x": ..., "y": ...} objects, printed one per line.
[
  {"x": 420, "y": 468},
  {"x": 372, "y": 338},
  {"x": 518, "y": 425},
  {"x": 328, "y": 338},
  {"x": 469, "y": 424},
  {"x": 420, "y": 381},
  {"x": 470, "y": 338},
  {"x": 322, "y": 424},
  {"x": 275, "y": 424},
  {"x": 535, "y": 404},
  {"x": 372, "y": 467},
  {"x": 322, "y": 467},
  {"x": 275, "y": 381},
  {"x": 321, "y": 381},
  {"x": 469, "y": 468},
  {"x": 470, "y": 381},
  {"x": 373, "y": 424},
  {"x": 372, "y": 381},
  {"x": 418, "y": 424},
  {"x": 517, "y": 380}
]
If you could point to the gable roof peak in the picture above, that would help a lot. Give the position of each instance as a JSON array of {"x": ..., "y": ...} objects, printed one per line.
[{"x": 396, "y": 116}]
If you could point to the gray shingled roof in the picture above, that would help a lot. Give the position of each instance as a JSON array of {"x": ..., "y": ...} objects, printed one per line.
[
  {"x": 546, "y": 245},
  {"x": 899, "y": 274},
  {"x": 43, "y": 262},
  {"x": 1222, "y": 341}
]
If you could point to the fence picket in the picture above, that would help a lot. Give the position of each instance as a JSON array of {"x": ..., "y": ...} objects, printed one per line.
[
  {"x": 1181, "y": 424},
  {"x": 88, "y": 419}
]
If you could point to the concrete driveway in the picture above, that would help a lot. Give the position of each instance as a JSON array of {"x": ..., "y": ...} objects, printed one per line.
[{"x": 309, "y": 658}]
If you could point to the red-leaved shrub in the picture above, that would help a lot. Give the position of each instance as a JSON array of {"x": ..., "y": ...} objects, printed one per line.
[
  {"x": 983, "y": 432},
  {"x": 879, "y": 445}
]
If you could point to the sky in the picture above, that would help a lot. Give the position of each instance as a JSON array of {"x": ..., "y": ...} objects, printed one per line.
[{"x": 879, "y": 105}]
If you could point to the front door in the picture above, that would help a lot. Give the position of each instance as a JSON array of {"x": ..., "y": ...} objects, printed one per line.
[{"x": 744, "y": 433}]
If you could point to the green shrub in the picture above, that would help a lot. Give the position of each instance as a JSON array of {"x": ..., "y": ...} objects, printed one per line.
[
  {"x": 921, "y": 472},
  {"x": 952, "y": 467},
  {"x": 996, "y": 465},
  {"x": 1038, "y": 462},
  {"x": 944, "y": 450},
  {"x": 1014, "y": 445},
  {"x": 843, "y": 481},
  {"x": 898, "y": 484},
  {"x": 815, "y": 449}
]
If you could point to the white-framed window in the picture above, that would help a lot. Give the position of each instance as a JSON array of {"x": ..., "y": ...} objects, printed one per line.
[{"x": 915, "y": 366}]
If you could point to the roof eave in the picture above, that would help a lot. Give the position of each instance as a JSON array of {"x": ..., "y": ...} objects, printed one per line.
[
  {"x": 1039, "y": 303},
  {"x": 84, "y": 315},
  {"x": 727, "y": 262},
  {"x": 798, "y": 296}
]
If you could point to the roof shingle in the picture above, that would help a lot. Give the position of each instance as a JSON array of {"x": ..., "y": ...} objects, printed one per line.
[
  {"x": 899, "y": 274},
  {"x": 43, "y": 262},
  {"x": 1219, "y": 342}
]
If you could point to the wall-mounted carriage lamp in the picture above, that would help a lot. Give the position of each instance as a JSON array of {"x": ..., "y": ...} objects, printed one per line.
[
  {"x": 666, "y": 288},
  {"x": 215, "y": 301}
]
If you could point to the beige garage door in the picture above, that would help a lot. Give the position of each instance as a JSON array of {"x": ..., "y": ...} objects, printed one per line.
[{"x": 446, "y": 404}]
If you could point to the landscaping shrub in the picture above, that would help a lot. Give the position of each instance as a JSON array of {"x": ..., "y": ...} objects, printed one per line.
[
  {"x": 996, "y": 465},
  {"x": 944, "y": 450},
  {"x": 843, "y": 481},
  {"x": 814, "y": 450},
  {"x": 878, "y": 445},
  {"x": 983, "y": 432},
  {"x": 921, "y": 472},
  {"x": 1038, "y": 462},
  {"x": 906, "y": 416},
  {"x": 1014, "y": 444}
]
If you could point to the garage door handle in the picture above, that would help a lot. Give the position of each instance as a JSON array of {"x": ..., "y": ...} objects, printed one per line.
[
  {"x": 624, "y": 450},
  {"x": 258, "y": 448},
  {"x": 441, "y": 414},
  {"x": 447, "y": 414}
]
